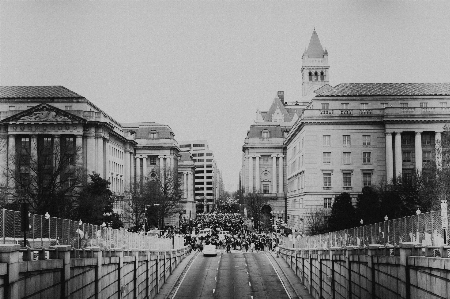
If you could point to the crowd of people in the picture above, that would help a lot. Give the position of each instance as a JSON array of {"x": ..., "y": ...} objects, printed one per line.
[{"x": 227, "y": 231}]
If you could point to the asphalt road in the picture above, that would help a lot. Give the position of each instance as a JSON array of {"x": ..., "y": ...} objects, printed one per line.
[{"x": 231, "y": 275}]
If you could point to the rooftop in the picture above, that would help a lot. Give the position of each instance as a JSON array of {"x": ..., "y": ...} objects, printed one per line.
[
  {"x": 20, "y": 92},
  {"x": 385, "y": 89}
]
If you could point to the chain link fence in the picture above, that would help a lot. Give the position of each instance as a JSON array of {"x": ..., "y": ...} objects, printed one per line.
[
  {"x": 46, "y": 232},
  {"x": 425, "y": 229}
]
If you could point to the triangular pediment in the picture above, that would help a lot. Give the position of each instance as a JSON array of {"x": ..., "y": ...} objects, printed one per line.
[{"x": 44, "y": 113}]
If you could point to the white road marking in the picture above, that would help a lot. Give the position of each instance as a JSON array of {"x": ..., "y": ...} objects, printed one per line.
[
  {"x": 282, "y": 283},
  {"x": 181, "y": 282}
]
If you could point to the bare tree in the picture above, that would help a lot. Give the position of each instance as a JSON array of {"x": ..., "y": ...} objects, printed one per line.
[
  {"x": 316, "y": 222},
  {"x": 45, "y": 174},
  {"x": 161, "y": 195},
  {"x": 254, "y": 203}
]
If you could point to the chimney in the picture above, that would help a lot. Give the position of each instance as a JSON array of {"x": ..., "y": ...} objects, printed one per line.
[{"x": 281, "y": 95}]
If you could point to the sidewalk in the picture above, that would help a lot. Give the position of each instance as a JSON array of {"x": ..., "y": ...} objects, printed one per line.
[
  {"x": 291, "y": 281},
  {"x": 168, "y": 289}
]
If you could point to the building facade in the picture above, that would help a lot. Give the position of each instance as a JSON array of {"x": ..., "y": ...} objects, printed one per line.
[
  {"x": 356, "y": 135},
  {"x": 264, "y": 152},
  {"x": 207, "y": 176},
  {"x": 36, "y": 119}
]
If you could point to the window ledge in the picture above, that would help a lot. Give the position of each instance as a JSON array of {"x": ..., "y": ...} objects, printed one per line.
[{"x": 326, "y": 188}]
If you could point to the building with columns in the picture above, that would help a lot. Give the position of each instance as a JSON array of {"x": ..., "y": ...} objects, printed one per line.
[
  {"x": 206, "y": 175},
  {"x": 361, "y": 134},
  {"x": 186, "y": 171},
  {"x": 264, "y": 152},
  {"x": 34, "y": 116}
]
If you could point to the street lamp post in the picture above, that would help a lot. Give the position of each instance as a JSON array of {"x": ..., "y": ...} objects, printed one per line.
[
  {"x": 418, "y": 212},
  {"x": 47, "y": 216},
  {"x": 79, "y": 232},
  {"x": 362, "y": 227}
]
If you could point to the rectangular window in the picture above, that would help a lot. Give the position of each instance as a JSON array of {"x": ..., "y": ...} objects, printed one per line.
[
  {"x": 152, "y": 160},
  {"x": 423, "y": 105},
  {"x": 347, "y": 179},
  {"x": 364, "y": 106},
  {"x": 201, "y": 154},
  {"x": 326, "y": 158},
  {"x": 346, "y": 158},
  {"x": 265, "y": 134},
  {"x": 404, "y": 106},
  {"x": 426, "y": 156},
  {"x": 344, "y": 106},
  {"x": 346, "y": 140},
  {"x": 326, "y": 140},
  {"x": 327, "y": 179},
  {"x": 407, "y": 139},
  {"x": 327, "y": 203},
  {"x": 367, "y": 179},
  {"x": 68, "y": 107},
  {"x": 12, "y": 108},
  {"x": 367, "y": 157},
  {"x": 325, "y": 106},
  {"x": 443, "y": 105},
  {"x": 265, "y": 188},
  {"x": 366, "y": 140},
  {"x": 426, "y": 139},
  {"x": 406, "y": 156},
  {"x": 384, "y": 105}
]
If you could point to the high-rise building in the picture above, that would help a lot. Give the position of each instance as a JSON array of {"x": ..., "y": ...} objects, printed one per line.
[{"x": 207, "y": 176}]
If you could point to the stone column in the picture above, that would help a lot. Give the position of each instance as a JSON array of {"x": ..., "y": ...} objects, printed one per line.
[
  {"x": 33, "y": 150},
  {"x": 191, "y": 184},
  {"x": 132, "y": 174},
  {"x": 185, "y": 174},
  {"x": 3, "y": 158},
  {"x": 126, "y": 169},
  {"x": 250, "y": 174},
  {"x": 438, "y": 149},
  {"x": 398, "y": 154},
  {"x": 258, "y": 180},
  {"x": 100, "y": 157},
  {"x": 79, "y": 150},
  {"x": 138, "y": 171},
  {"x": 144, "y": 168},
  {"x": 389, "y": 158},
  {"x": 90, "y": 157},
  {"x": 58, "y": 155},
  {"x": 418, "y": 151},
  {"x": 274, "y": 174},
  {"x": 161, "y": 166},
  {"x": 280, "y": 170}
]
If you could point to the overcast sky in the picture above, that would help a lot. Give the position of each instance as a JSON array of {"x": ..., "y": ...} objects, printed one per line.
[{"x": 205, "y": 67}]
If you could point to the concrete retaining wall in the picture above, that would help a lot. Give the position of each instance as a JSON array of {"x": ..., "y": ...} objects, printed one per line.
[
  {"x": 381, "y": 272},
  {"x": 89, "y": 273}
]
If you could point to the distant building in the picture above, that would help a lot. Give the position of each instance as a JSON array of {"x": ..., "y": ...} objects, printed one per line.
[
  {"x": 207, "y": 177},
  {"x": 264, "y": 152}
]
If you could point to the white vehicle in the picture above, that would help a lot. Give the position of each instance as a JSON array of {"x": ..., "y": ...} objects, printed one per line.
[{"x": 209, "y": 250}]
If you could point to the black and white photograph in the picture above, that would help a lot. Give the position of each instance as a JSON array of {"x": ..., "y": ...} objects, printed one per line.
[{"x": 238, "y": 149}]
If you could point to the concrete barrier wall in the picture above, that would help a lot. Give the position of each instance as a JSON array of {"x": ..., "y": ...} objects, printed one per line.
[
  {"x": 89, "y": 273},
  {"x": 408, "y": 271}
]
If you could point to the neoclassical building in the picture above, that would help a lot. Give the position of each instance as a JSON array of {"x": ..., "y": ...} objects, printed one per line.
[
  {"x": 264, "y": 152},
  {"x": 34, "y": 118},
  {"x": 361, "y": 134}
]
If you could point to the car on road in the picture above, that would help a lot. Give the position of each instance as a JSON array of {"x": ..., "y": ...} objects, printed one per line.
[{"x": 209, "y": 250}]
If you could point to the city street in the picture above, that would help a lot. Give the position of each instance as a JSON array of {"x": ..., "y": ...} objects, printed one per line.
[{"x": 231, "y": 275}]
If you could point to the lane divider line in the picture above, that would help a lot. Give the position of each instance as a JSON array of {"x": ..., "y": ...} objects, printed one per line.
[
  {"x": 181, "y": 282},
  {"x": 282, "y": 283}
]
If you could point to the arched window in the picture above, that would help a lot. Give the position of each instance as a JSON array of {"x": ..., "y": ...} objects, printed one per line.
[
  {"x": 265, "y": 134},
  {"x": 322, "y": 76},
  {"x": 316, "y": 76},
  {"x": 310, "y": 76}
]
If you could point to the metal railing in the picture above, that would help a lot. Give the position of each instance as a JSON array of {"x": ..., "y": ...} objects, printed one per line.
[
  {"x": 44, "y": 233},
  {"x": 425, "y": 229}
]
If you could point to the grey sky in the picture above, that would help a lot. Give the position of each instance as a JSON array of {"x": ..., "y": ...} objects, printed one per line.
[{"x": 204, "y": 67}]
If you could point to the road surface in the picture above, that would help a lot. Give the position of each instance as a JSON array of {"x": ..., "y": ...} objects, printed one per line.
[{"x": 231, "y": 275}]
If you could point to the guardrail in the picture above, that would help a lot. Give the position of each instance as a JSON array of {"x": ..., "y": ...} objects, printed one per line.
[{"x": 45, "y": 232}]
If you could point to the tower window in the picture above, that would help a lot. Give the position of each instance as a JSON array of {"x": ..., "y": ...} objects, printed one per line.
[
  {"x": 310, "y": 76},
  {"x": 265, "y": 134},
  {"x": 322, "y": 76},
  {"x": 316, "y": 76},
  {"x": 153, "y": 135}
]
